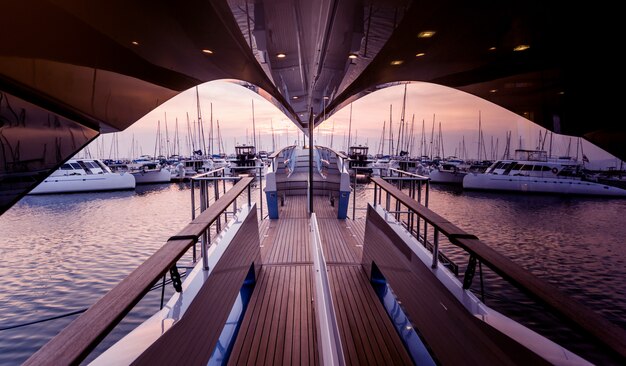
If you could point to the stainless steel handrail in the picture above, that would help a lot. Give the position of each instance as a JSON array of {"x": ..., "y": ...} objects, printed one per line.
[{"x": 328, "y": 337}]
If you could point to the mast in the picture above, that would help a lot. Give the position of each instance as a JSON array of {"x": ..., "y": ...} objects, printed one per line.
[
  {"x": 273, "y": 137},
  {"x": 390, "y": 130},
  {"x": 220, "y": 142},
  {"x": 167, "y": 137},
  {"x": 381, "y": 148},
  {"x": 332, "y": 135},
  {"x": 176, "y": 139},
  {"x": 200, "y": 125},
  {"x": 191, "y": 145},
  {"x": 410, "y": 144},
  {"x": 158, "y": 138},
  {"x": 350, "y": 127},
  {"x": 432, "y": 136},
  {"x": 400, "y": 143},
  {"x": 440, "y": 144},
  {"x": 253, "y": 125},
  {"x": 211, "y": 149},
  {"x": 479, "y": 134}
]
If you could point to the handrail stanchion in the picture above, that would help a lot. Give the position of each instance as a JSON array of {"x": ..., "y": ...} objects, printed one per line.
[
  {"x": 435, "y": 248},
  {"x": 354, "y": 196},
  {"x": 261, "y": 191},
  {"x": 249, "y": 196},
  {"x": 375, "y": 192}
]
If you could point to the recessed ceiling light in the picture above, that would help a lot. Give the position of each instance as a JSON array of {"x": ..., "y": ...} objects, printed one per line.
[
  {"x": 420, "y": 54},
  {"x": 294, "y": 97},
  {"x": 353, "y": 55},
  {"x": 493, "y": 90},
  {"x": 326, "y": 97},
  {"x": 396, "y": 62},
  {"x": 492, "y": 48},
  {"x": 561, "y": 92},
  {"x": 281, "y": 55},
  {"x": 135, "y": 43},
  {"x": 207, "y": 51},
  {"x": 521, "y": 47},
  {"x": 426, "y": 34}
]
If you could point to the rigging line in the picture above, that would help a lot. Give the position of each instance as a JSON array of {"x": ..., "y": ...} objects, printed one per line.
[
  {"x": 43, "y": 320},
  {"x": 75, "y": 312}
]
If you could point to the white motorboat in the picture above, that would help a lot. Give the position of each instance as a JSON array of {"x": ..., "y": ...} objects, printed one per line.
[
  {"x": 150, "y": 172},
  {"x": 532, "y": 171},
  {"x": 84, "y": 175},
  {"x": 381, "y": 166},
  {"x": 450, "y": 172}
]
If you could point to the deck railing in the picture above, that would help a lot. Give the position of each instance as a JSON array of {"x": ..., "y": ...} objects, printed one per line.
[
  {"x": 203, "y": 182},
  {"x": 328, "y": 337},
  {"x": 595, "y": 325},
  {"x": 78, "y": 339}
]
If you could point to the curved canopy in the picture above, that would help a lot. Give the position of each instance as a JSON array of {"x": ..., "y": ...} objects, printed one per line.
[{"x": 105, "y": 64}]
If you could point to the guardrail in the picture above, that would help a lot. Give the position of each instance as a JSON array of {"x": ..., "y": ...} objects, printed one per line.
[
  {"x": 328, "y": 337},
  {"x": 203, "y": 181},
  {"x": 79, "y": 338},
  {"x": 595, "y": 325}
]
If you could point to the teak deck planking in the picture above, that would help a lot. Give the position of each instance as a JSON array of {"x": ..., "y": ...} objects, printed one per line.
[{"x": 279, "y": 326}]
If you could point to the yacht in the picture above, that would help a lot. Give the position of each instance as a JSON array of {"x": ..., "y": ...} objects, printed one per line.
[
  {"x": 71, "y": 71},
  {"x": 84, "y": 175},
  {"x": 246, "y": 161},
  {"x": 150, "y": 172},
  {"x": 381, "y": 166},
  {"x": 358, "y": 164},
  {"x": 532, "y": 171},
  {"x": 450, "y": 171}
]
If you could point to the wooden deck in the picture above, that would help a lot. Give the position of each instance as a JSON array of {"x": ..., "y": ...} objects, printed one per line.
[{"x": 279, "y": 324}]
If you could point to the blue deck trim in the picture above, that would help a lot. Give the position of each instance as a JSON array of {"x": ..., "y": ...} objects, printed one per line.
[
  {"x": 344, "y": 199},
  {"x": 225, "y": 343},
  {"x": 411, "y": 340},
  {"x": 272, "y": 204}
]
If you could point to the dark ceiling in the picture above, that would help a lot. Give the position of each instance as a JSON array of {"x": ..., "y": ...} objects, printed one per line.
[{"x": 104, "y": 64}]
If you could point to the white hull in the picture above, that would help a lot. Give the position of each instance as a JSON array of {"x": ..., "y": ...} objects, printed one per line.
[
  {"x": 448, "y": 177},
  {"x": 85, "y": 183},
  {"x": 539, "y": 185},
  {"x": 152, "y": 176}
]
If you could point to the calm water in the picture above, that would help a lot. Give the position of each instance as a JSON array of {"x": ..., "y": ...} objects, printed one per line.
[{"x": 61, "y": 253}]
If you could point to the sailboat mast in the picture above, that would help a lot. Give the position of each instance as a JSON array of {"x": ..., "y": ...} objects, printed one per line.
[
  {"x": 440, "y": 144},
  {"x": 273, "y": 136},
  {"x": 167, "y": 138},
  {"x": 191, "y": 144},
  {"x": 432, "y": 136},
  {"x": 332, "y": 135},
  {"x": 220, "y": 142},
  {"x": 479, "y": 135},
  {"x": 253, "y": 125},
  {"x": 390, "y": 130},
  {"x": 158, "y": 137},
  {"x": 382, "y": 140},
  {"x": 211, "y": 149},
  {"x": 400, "y": 143},
  {"x": 410, "y": 142},
  {"x": 350, "y": 127},
  {"x": 202, "y": 141}
]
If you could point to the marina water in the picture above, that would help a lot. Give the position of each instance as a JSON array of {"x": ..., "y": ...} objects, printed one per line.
[{"x": 61, "y": 253}]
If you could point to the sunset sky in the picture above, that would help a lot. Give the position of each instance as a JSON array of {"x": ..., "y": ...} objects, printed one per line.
[{"x": 232, "y": 106}]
